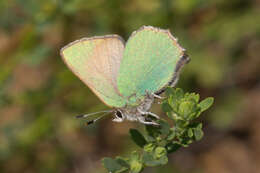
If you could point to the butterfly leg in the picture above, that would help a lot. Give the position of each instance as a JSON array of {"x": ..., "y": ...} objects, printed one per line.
[
  {"x": 143, "y": 120},
  {"x": 152, "y": 95},
  {"x": 152, "y": 114},
  {"x": 148, "y": 113},
  {"x": 157, "y": 96}
]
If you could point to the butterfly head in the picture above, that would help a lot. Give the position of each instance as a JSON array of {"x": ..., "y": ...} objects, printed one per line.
[{"x": 119, "y": 115}]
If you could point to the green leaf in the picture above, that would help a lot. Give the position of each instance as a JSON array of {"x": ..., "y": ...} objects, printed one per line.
[
  {"x": 172, "y": 135},
  {"x": 135, "y": 155},
  {"x": 149, "y": 160},
  {"x": 185, "y": 109},
  {"x": 112, "y": 165},
  {"x": 164, "y": 127},
  {"x": 199, "y": 126},
  {"x": 122, "y": 162},
  {"x": 135, "y": 163},
  {"x": 172, "y": 147},
  {"x": 181, "y": 123},
  {"x": 166, "y": 107},
  {"x": 194, "y": 96},
  {"x": 198, "y": 134},
  {"x": 169, "y": 91},
  {"x": 136, "y": 166},
  {"x": 150, "y": 139},
  {"x": 149, "y": 148},
  {"x": 190, "y": 132},
  {"x": 163, "y": 160},
  {"x": 206, "y": 103},
  {"x": 156, "y": 157},
  {"x": 176, "y": 97},
  {"x": 195, "y": 112},
  {"x": 153, "y": 131},
  {"x": 138, "y": 138},
  {"x": 160, "y": 152},
  {"x": 179, "y": 93},
  {"x": 195, "y": 125}
]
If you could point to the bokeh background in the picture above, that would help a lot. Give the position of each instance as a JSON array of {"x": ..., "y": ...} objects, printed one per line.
[{"x": 39, "y": 96}]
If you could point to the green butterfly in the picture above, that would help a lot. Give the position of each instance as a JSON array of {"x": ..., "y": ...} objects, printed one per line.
[{"x": 127, "y": 76}]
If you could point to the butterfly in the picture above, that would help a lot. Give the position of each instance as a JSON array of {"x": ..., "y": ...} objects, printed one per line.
[{"x": 127, "y": 76}]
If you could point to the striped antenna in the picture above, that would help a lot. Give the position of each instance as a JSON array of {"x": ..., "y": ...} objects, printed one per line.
[
  {"x": 86, "y": 115},
  {"x": 93, "y": 121}
]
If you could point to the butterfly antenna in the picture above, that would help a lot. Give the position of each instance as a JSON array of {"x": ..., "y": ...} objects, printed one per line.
[
  {"x": 93, "y": 121},
  {"x": 86, "y": 115}
]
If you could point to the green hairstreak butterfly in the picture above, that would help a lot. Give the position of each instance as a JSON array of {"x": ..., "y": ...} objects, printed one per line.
[{"x": 127, "y": 76}]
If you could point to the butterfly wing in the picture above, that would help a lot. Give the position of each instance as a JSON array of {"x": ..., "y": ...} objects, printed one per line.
[
  {"x": 96, "y": 62},
  {"x": 151, "y": 59}
]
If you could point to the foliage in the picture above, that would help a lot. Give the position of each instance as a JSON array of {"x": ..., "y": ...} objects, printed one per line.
[{"x": 159, "y": 141}]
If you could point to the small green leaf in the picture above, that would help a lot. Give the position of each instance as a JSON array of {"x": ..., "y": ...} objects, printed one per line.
[
  {"x": 206, "y": 103},
  {"x": 160, "y": 152},
  {"x": 169, "y": 91},
  {"x": 185, "y": 108},
  {"x": 199, "y": 126},
  {"x": 136, "y": 167},
  {"x": 179, "y": 93},
  {"x": 166, "y": 107},
  {"x": 181, "y": 123},
  {"x": 172, "y": 135},
  {"x": 195, "y": 112},
  {"x": 158, "y": 139},
  {"x": 176, "y": 97},
  {"x": 122, "y": 162},
  {"x": 135, "y": 163},
  {"x": 137, "y": 137},
  {"x": 195, "y": 125},
  {"x": 198, "y": 134},
  {"x": 149, "y": 160},
  {"x": 164, "y": 127},
  {"x": 153, "y": 131},
  {"x": 112, "y": 165},
  {"x": 149, "y": 148},
  {"x": 134, "y": 155},
  {"x": 163, "y": 160},
  {"x": 194, "y": 96},
  {"x": 150, "y": 139},
  {"x": 190, "y": 132},
  {"x": 172, "y": 147}
]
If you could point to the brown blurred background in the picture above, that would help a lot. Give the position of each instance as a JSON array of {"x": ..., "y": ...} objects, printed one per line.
[{"x": 39, "y": 96}]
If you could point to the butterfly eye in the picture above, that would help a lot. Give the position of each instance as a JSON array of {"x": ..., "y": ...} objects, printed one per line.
[{"x": 118, "y": 114}]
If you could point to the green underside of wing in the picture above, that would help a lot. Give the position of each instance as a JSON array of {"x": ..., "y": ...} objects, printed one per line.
[
  {"x": 78, "y": 57},
  {"x": 148, "y": 63}
]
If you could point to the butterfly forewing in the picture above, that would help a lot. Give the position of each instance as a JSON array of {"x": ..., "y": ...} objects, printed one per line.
[
  {"x": 149, "y": 61},
  {"x": 96, "y": 62}
]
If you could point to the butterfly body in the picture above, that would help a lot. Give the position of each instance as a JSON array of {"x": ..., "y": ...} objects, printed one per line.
[
  {"x": 136, "y": 112},
  {"x": 127, "y": 76}
]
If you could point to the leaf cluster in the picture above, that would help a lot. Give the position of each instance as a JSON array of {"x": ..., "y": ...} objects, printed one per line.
[{"x": 158, "y": 141}]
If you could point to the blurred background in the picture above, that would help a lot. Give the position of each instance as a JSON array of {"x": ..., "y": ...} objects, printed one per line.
[{"x": 39, "y": 96}]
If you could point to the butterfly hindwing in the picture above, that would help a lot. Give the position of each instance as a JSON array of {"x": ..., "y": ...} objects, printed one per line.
[{"x": 96, "y": 62}]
